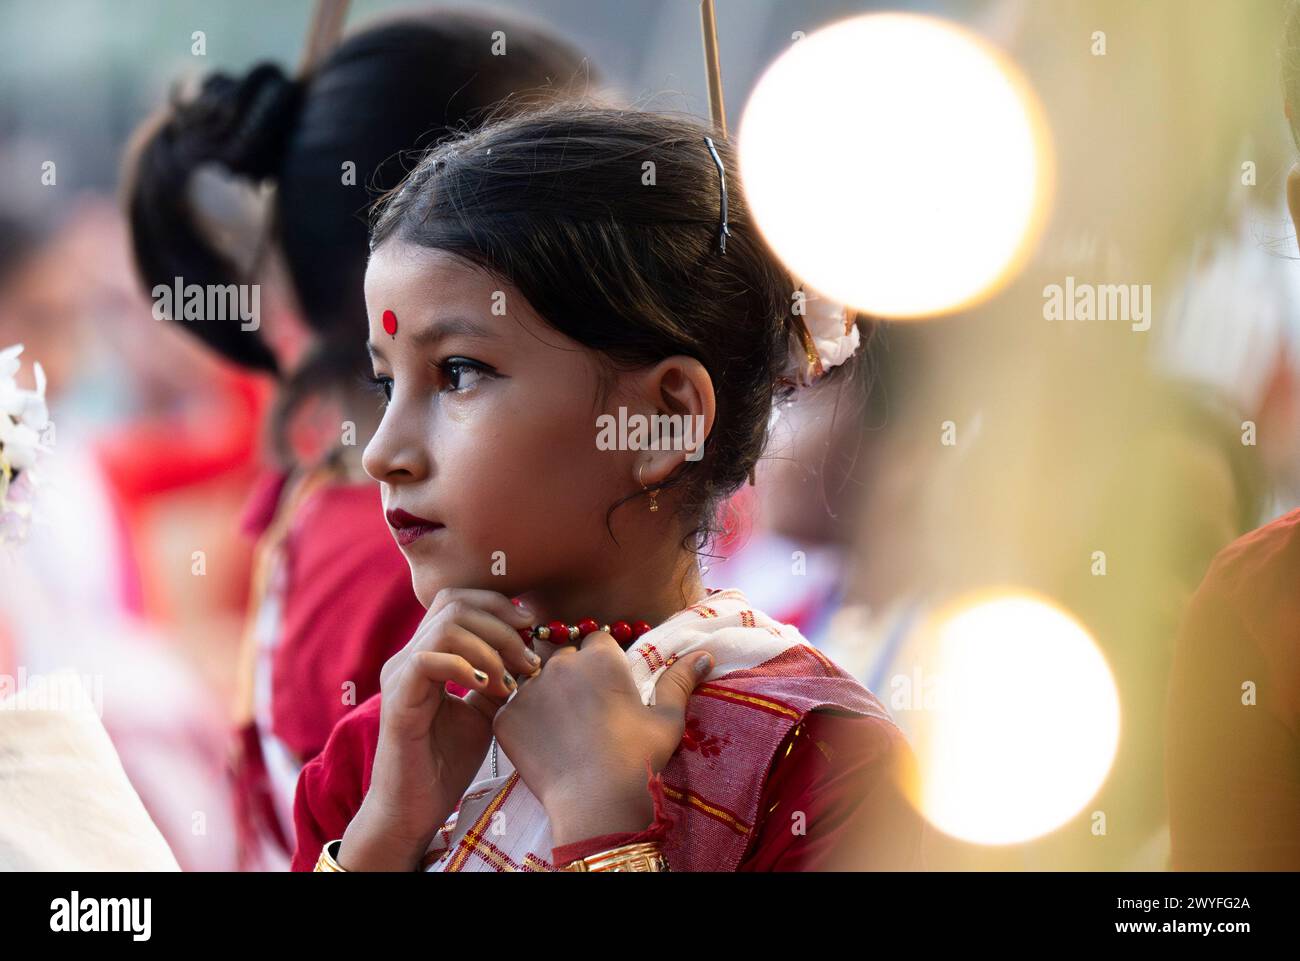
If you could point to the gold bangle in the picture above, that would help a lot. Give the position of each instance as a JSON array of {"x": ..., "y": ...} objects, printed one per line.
[
  {"x": 641, "y": 856},
  {"x": 326, "y": 861}
]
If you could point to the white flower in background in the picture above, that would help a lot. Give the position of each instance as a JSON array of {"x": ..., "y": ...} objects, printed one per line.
[
  {"x": 9, "y": 362},
  {"x": 25, "y": 406},
  {"x": 24, "y": 416},
  {"x": 19, "y": 444}
]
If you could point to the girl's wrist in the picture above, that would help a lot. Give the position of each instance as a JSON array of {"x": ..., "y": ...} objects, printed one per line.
[
  {"x": 375, "y": 841},
  {"x": 581, "y": 815}
]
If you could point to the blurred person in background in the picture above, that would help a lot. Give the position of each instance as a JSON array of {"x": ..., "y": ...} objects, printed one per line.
[
  {"x": 1233, "y": 757},
  {"x": 70, "y": 596},
  {"x": 177, "y": 435},
  {"x": 332, "y": 597}
]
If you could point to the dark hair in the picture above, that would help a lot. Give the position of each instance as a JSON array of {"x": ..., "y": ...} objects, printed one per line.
[
  {"x": 559, "y": 203},
  {"x": 383, "y": 93}
]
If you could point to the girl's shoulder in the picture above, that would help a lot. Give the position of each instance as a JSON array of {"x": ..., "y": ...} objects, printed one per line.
[
  {"x": 736, "y": 631},
  {"x": 776, "y": 730},
  {"x": 846, "y": 777},
  {"x": 757, "y": 655}
]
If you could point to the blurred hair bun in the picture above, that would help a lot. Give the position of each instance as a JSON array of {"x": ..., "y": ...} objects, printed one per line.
[{"x": 241, "y": 124}]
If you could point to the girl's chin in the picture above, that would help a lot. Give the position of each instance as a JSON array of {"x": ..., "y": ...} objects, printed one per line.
[{"x": 427, "y": 583}]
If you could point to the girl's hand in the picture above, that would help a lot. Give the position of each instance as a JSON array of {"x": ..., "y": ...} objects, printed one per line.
[
  {"x": 579, "y": 736},
  {"x": 431, "y": 743}
]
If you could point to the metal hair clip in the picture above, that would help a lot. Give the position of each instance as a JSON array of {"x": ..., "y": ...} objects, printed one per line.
[{"x": 724, "y": 231}]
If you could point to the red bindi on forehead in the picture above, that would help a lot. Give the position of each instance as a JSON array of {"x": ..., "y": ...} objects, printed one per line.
[{"x": 390, "y": 323}]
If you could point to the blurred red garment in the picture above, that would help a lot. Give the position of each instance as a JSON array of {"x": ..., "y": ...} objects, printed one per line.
[
  {"x": 148, "y": 458},
  {"x": 334, "y": 602},
  {"x": 1233, "y": 748}
]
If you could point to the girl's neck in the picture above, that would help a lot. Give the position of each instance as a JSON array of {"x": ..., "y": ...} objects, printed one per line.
[{"x": 630, "y": 596}]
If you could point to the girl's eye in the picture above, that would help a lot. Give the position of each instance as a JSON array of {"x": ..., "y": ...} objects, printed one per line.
[
  {"x": 454, "y": 369},
  {"x": 382, "y": 385}
]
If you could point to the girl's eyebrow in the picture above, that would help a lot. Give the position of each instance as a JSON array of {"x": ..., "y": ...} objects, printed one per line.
[{"x": 440, "y": 329}]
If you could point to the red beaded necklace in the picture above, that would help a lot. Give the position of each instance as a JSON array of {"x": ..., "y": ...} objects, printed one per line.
[{"x": 559, "y": 633}]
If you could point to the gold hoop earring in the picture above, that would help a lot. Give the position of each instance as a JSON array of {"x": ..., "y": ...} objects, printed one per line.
[{"x": 653, "y": 493}]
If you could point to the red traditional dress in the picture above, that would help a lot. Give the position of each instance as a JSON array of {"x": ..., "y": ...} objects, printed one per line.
[
  {"x": 332, "y": 601},
  {"x": 787, "y": 763}
]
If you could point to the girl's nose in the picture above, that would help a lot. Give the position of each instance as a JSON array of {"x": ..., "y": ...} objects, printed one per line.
[{"x": 394, "y": 453}]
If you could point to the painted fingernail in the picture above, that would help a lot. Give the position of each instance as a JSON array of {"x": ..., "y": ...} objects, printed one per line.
[
  {"x": 534, "y": 658},
  {"x": 703, "y": 664},
  {"x": 510, "y": 683},
  {"x": 480, "y": 676}
]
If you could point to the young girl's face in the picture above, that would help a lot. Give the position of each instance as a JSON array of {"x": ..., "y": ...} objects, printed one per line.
[{"x": 489, "y": 431}]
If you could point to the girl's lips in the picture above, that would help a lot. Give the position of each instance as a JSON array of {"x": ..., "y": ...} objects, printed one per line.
[
  {"x": 409, "y": 535},
  {"x": 408, "y": 528}
]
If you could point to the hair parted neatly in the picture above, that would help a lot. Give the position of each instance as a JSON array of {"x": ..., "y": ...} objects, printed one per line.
[{"x": 606, "y": 219}]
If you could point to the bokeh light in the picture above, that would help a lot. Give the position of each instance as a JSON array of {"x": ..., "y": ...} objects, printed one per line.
[
  {"x": 1013, "y": 713},
  {"x": 897, "y": 163}
]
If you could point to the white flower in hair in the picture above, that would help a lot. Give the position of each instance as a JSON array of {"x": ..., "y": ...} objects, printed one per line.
[
  {"x": 826, "y": 336},
  {"x": 831, "y": 338}
]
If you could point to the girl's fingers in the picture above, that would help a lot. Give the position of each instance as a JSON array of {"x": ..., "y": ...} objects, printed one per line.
[
  {"x": 487, "y": 624},
  {"x": 491, "y": 602},
  {"x": 422, "y": 635},
  {"x": 501, "y": 636},
  {"x": 426, "y": 674},
  {"x": 469, "y": 607},
  {"x": 456, "y": 639},
  {"x": 486, "y": 615}
]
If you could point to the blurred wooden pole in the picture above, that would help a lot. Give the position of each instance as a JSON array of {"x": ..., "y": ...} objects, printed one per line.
[
  {"x": 712, "y": 66},
  {"x": 713, "y": 70},
  {"x": 323, "y": 32}
]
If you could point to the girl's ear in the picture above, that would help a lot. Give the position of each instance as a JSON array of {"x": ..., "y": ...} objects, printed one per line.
[
  {"x": 680, "y": 385},
  {"x": 1293, "y": 195}
]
